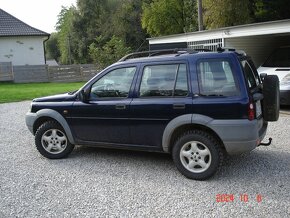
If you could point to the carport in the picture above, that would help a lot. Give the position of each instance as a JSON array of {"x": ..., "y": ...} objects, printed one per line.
[{"x": 258, "y": 40}]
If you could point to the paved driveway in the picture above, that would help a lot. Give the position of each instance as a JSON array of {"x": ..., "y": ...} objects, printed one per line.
[{"x": 98, "y": 182}]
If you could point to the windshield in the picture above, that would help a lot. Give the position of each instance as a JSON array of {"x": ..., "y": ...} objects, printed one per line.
[{"x": 279, "y": 58}]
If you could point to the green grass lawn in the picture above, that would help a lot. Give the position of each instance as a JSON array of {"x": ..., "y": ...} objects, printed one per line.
[{"x": 11, "y": 92}]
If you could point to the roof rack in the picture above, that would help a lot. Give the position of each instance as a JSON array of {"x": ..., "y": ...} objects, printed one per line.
[{"x": 161, "y": 52}]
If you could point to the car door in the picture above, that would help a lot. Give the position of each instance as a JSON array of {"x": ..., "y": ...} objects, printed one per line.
[
  {"x": 162, "y": 94},
  {"x": 105, "y": 116}
]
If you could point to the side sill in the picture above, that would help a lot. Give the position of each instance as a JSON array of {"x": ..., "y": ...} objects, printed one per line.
[{"x": 120, "y": 146}]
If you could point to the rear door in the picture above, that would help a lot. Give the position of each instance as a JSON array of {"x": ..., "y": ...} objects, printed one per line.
[{"x": 162, "y": 93}]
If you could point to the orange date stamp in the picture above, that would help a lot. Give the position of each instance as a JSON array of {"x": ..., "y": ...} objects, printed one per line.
[{"x": 224, "y": 198}]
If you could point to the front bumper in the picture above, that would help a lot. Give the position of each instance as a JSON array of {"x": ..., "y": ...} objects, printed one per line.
[{"x": 30, "y": 119}]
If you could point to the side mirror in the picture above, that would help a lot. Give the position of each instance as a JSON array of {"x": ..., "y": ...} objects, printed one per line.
[
  {"x": 262, "y": 76},
  {"x": 84, "y": 96}
]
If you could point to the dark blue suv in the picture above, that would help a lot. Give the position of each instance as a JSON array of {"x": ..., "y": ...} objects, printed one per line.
[{"x": 197, "y": 106}]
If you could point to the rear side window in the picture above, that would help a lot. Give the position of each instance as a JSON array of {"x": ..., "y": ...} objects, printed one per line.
[
  {"x": 252, "y": 78},
  {"x": 164, "y": 81},
  {"x": 216, "y": 78}
]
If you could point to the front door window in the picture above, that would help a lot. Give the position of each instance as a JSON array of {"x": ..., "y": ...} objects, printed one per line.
[{"x": 115, "y": 84}]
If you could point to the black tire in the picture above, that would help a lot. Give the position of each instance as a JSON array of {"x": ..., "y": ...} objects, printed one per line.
[
  {"x": 271, "y": 101},
  {"x": 205, "y": 143},
  {"x": 52, "y": 142}
]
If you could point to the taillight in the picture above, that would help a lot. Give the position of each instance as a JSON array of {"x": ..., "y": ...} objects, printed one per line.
[{"x": 251, "y": 111}]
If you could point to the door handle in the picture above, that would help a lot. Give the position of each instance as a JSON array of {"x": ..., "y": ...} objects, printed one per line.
[
  {"x": 179, "y": 106},
  {"x": 120, "y": 106}
]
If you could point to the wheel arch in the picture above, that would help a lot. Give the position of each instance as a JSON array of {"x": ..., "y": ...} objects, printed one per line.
[
  {"x": 48, "y": 115},
  {"x": 183, "y": 124},
  {"x": 40, "y": 120}
]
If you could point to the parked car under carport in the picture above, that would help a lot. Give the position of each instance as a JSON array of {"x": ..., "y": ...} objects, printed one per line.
[{"x": 278, "y": 63}]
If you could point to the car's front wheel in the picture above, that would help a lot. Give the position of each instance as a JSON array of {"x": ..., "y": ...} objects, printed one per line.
[
  {"x": 197, "y": 155},
  {"x": 51, "y": 141}
]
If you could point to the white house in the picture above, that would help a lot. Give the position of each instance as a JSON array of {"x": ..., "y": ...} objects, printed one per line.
[
  {"x": 20, "y": 43},
  {"x": 258, "y": 39}
]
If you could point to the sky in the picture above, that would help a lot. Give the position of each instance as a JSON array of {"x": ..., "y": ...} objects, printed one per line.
[{"x": 40, "y": 14}]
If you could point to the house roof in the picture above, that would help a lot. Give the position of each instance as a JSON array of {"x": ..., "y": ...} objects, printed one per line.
[{"x": 11, "y": 26}]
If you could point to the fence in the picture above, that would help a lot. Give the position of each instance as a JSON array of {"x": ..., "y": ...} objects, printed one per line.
[
  {"x": 44, "y": 73},
  {"x": 30, "y": 73},
  {"x": 6, "y": 71},
  {"x": 72, "y": 73}
]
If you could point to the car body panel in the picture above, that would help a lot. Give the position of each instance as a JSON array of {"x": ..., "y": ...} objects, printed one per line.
[{"x": 145, "y": 123}]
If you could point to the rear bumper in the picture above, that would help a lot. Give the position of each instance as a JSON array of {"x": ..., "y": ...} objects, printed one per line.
[
  {"x": 285, "y": 97},
  {"x": 240, "y": 136}
]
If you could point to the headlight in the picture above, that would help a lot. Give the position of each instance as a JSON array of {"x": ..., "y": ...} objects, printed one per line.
[{"x": 285, "y": 80}]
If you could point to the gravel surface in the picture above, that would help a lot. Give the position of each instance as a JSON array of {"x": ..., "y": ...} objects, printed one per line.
[{"x": 95, "y": 182}]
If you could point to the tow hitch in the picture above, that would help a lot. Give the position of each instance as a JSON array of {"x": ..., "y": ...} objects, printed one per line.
[{"x": 266, "y": 144}]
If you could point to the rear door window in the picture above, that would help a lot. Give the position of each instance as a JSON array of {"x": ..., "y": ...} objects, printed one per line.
[
  {"x": 216, "y": 78},
  {"x": 164, "y": 81}
]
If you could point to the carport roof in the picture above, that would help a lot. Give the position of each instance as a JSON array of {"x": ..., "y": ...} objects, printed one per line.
[
  {"x": 11, "y": 26},
  {"x": 254, "y": 29}
]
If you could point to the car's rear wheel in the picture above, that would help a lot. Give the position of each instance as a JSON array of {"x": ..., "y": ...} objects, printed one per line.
[
  {"x": 51, "y": 141},
  {"x": 271, "y": 101},
  {"x": 197, "y": 155}
]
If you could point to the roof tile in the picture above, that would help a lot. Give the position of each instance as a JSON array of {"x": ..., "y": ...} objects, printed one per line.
[{"x": 11, "y": 26}]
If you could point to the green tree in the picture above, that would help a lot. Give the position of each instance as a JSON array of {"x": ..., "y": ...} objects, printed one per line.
[
  {"x": 105, "y": 53},
  {"x": 51, "y": 47},
  {"x": 65, "y": 29},
  {"x": 126, "y": 23},
  {"x": 98, "y": 17},
  {"x": 79, "y": 26},
  {"x": 223, "y": 13},
  {"x": 267, "y": 10},
  {"x": 90, "y": 12},
  {"x": 163, "y": 17}
]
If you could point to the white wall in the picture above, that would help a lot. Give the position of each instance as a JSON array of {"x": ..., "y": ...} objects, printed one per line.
[{"x": 22, "y": 50}]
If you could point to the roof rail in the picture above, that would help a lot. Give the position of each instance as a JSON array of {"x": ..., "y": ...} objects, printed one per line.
[
  {"x": 202, "y": 49},
  {"x": 223, "y": 49},
  {"x": 161, "y": 52}
]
